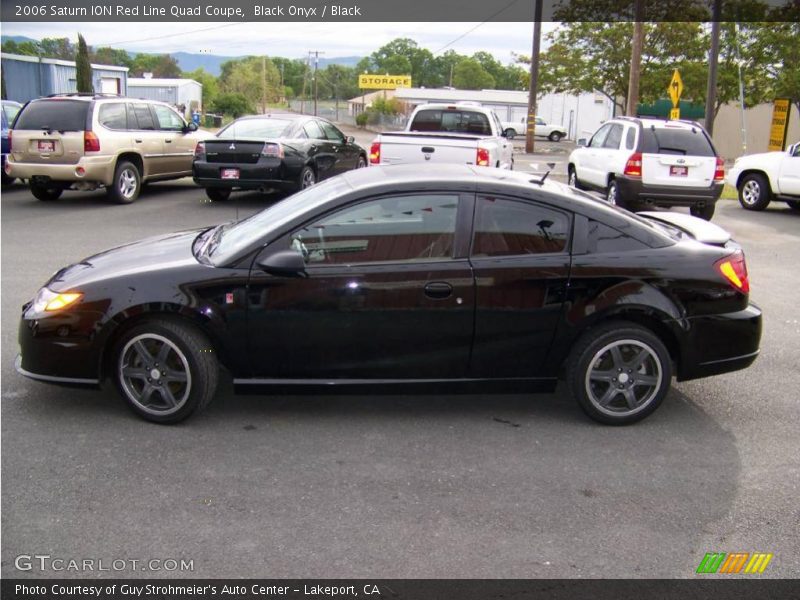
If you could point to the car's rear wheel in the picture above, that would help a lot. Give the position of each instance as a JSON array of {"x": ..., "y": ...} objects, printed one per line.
[
  {"x": 362, "y": 162},
  {"x": 307, "y": 178},
  {"x": 6, "y": 179},
  {"x": 165, "y": 370},
  {"x": 127, "y": 183},
  {"x": 703, "y": 212},
  {"x": 555, "y": 136},
  {"x": 619, "y": 373},
  {"x": 613, "y": 196},
  {"x": 218, "y": 194},
  {"x": 754, "y": 192},
  {"x": 510, "y": 133},
  {"x": 46, "y": 193}
]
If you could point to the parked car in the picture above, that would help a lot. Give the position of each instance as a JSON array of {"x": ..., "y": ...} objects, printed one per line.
[
  {"x": 760, "y": 178},
  {"x": 460, "y": 133},
  {"x": 280, "y": 150},
  {"x": 7, "y": 114},
  {"x": 87, "y": 141},
  {"x": 641, "y": 162},
  {"x": 421, "y": 274},
  {"x": 552, "y": 132}
]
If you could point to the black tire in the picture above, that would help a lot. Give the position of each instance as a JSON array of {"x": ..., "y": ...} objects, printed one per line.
[
  {"x": 555, "y": 136},
  {"x": 218, "y": 194},
  {"x": 572, "y": 178},
  {"x": 188, "y": 352},
  {"x": 362, "y": 162},
  {"x": 510, "y": 133},
  {"x": 705, "y": 212},
  {"x": 6, "y": 179},
  {"x": 613, "y": 196},
  {"x": 127, "y": 183},
  {"x": 306, "y": 178},
  {"x": 46, "y": 193},
  {"x": 793, "y": 204},
  {"x": 604, "y": 383},
  {"x": 754, "y": 192}
]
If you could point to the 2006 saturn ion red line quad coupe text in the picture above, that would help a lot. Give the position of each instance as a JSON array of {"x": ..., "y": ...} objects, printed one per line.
[{"x": 405, "y": 275}]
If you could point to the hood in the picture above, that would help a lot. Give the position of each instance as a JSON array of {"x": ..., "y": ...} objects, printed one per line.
[{"x": 151, "y": 254}]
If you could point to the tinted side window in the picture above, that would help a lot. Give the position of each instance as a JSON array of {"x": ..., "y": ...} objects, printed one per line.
[
  {"x": 604, "y": 239},
  {"x": 143, "y": 117},
  {"x": 514, "y": 227},
  {"x": 56, "y": 115},
  {"x": 685, "y": 142},
  {"x": 630, "y": 138},
  {"x": 331, "y": 132},
  {"x": 599, "y": 137},
  {"x": 313, "y": 131},
  {"x": 614, "y": 137},
  {"x": 113, "y": 116},
  {"x": 168, "y": 119},
  {"x": 396, "y": 228}
]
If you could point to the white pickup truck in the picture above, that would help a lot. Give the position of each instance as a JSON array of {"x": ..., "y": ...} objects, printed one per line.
[
  {"x": 446, "y": 133},
  {"x": 767, "y": 176},
  {"x": 554, "y": 133}
]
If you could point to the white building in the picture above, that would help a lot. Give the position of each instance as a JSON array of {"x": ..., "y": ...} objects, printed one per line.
[{"x": 178, "y": 92}]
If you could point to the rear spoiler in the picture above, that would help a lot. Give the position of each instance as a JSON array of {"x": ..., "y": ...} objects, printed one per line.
[{"x": 701, "y": 230}]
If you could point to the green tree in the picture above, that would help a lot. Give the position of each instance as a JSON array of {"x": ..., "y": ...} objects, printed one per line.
[
  {"x": 233, "y": 104},
  {"x": 83, "y": 71},
  {"x": 402, "y": 56},
  {"x": 57, "y": 48},
  {"x": 160, "y": 65},
  {"x": 208, "y": 81},
  {"x": 112, "y": 56},
  {"x": 470, "y": 75},
  {"x": 774, "y": 52},
  {"x": 251, "y": 77}
]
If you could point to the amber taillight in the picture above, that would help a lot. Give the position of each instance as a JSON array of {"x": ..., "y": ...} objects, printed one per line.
[
  {"x": 91, "y": 143},
  {"x": 375, "y": 153},
  {"x": 734, "y": 269},
  {"x": 482, "y": 157},
  {"x": 633, "y": 168},
  {"x": 719, "y": 172}
]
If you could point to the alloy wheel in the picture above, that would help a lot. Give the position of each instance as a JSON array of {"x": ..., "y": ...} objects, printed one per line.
[
  {"x": 155, "y": 374},
  {"x": 751, "y": 192},
  {"x": 127, "y": 183},
  {"x": 624, "y": 377}
]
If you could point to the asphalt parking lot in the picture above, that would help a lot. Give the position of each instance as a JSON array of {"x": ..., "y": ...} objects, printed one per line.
[{"x": 473, "y": 485}]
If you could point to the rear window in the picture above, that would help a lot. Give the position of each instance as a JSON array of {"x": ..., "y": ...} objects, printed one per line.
[
  {"x": 665, "y": 140},
  {"x": 451, "y": 121},
  {"x": 54, "y": 115},
  {"x": 256, "y": 128}
]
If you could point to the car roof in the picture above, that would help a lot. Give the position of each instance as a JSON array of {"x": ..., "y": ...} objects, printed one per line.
[{"x": 279, "y": 115}]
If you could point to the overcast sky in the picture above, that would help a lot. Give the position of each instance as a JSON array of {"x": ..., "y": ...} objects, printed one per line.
[{"x": 292, "y": 40}]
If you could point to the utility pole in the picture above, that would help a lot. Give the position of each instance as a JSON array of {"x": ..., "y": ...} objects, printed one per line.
[
  {"x": 537, "y": 34},
  {"x": 314, "y": 78},
  {"x": 636, "y": 59},
  {"x": 264, "y": 83},
  {"x": 713, "y": 58},
  {"x": 305, "y": 81}
]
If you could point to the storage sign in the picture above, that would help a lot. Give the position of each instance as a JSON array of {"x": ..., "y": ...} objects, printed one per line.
[
  {"x": 384, "y": 82},
  {"x": 780, "y": 124}
]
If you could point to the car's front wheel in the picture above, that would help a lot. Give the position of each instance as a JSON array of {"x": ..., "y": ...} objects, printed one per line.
[
  {"x": 218, "y": 194},
  {"x": 165, "y": 370},
  {"x": 754, "y": 192},
  {"x": 619, "y": 373},
  {"x": 127, "y": 183},
  {"x": 46, "y": 193},
  {"x": 555, "y": 136},
  {"x": 572, "y": 178}
]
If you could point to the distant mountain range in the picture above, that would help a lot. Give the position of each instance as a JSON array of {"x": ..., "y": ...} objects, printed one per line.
[{"x": 210, "y": 62}]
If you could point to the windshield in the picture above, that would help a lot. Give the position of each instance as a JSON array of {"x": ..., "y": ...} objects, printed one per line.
[
  {"x": 54, "y": 115},
  {"x": 256, "y": 128},
  {"x": 238, "y": 236}
]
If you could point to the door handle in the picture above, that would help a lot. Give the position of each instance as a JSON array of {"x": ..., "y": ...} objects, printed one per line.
[
  {"x": 438, "y": 290},
  {"x": 168, "y": 141},
  {"x": 138, "y": 141},
  {"x": 428, "y": 149}
]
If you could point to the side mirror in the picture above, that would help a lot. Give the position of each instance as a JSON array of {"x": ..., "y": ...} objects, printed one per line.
[
  {"x": 191, "y": 126},
  {"x": 794, "y": 149},
  {"x": 582, "y": 142},
  {"x": 287, "y": 263},
  {"x": 349, "y": 140}
]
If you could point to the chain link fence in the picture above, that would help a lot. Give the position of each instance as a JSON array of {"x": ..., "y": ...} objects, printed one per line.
[{"x": 339, "y": 114}]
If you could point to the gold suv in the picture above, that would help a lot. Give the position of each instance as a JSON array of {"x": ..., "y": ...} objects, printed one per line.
[{"x": 85, "y": 141}]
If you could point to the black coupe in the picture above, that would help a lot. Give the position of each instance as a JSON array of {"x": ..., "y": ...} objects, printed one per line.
[
  {"x": 405, "y": 275},
  {"x": 281, "y": 150}
]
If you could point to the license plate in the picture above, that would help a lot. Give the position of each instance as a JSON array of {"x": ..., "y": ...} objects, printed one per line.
[
  {"x": 230, "y": 173},
  {"x": 46, "y": 146},
  {"x": 678, "y": 171}
]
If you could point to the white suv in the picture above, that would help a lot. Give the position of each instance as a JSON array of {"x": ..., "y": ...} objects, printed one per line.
[{"x": 639, "y": 162}]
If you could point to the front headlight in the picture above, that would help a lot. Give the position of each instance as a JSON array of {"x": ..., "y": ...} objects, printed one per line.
[{"x": 49, "y": 301}]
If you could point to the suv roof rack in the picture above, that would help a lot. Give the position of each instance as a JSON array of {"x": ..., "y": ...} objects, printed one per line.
[{"x": 84, "y": 95}]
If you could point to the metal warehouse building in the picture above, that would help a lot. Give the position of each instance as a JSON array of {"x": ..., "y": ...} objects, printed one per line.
[
  {"x": 186, "y": 92},
  {"x": 29, "y": 77}
]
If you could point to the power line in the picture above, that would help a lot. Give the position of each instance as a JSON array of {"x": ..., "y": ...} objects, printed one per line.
[
  {"x": 466, "y": 33},
  {"x": 170, "y": 35}
]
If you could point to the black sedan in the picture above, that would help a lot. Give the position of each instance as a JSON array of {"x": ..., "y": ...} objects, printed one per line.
[
  {"x": 406, "y": 275},
  {"x": 281, "y": 150}
]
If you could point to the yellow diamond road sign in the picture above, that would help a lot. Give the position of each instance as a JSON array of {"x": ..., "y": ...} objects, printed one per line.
[{"x": 675, "y": 88}]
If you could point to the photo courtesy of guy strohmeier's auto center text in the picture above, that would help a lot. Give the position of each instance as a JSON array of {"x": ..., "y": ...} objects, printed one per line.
[{"x": 410, "y": 300}]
